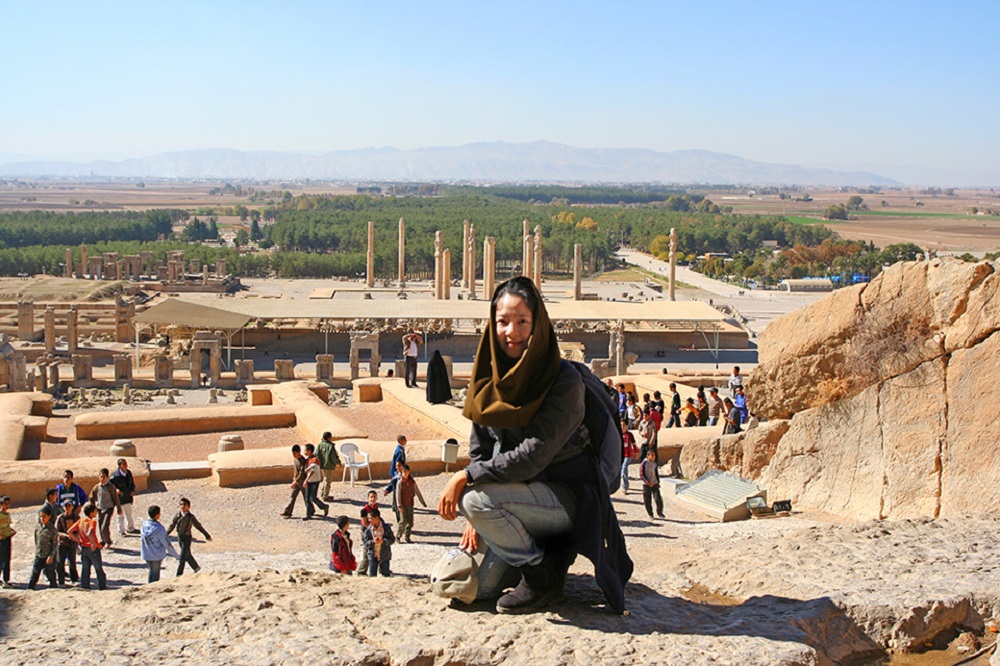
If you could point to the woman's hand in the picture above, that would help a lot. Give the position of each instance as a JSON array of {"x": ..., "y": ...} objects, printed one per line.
[
  {"x": 448, "y": 502},
  {"x": 470, "y": 540}
]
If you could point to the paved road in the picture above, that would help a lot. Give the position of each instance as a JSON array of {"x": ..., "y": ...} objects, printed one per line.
[{"x": 760, "y": 307}]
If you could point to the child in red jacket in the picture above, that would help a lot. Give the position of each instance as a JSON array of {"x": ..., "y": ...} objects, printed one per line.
[{"x": 341, "y": 547}]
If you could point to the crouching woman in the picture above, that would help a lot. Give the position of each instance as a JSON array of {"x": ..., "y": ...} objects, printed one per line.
[{"x": 531, "y": 492}]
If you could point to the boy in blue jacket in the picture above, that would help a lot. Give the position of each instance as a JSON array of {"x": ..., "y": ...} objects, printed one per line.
[{"x": 154, "y": 544}]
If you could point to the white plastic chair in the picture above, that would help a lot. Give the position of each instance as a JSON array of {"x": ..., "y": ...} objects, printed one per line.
[{"x": 349, "y": 451}]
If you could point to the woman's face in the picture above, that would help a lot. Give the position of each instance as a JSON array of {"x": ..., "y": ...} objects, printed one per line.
[{"x": 513, "y": 325}]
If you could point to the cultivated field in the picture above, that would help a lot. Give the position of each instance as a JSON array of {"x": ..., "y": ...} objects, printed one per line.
[
  {"x": 934, "y": 221},
  {"x": 27, "y": 194}
]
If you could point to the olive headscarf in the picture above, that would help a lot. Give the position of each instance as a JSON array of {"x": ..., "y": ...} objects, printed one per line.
[{"x": 503, "y": 392}]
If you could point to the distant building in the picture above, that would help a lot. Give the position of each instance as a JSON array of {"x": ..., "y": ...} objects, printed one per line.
[{"x": 809, "y": 284}]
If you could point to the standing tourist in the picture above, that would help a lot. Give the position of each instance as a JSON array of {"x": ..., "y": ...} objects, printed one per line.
[
  {"x": 105, "y": 497},
  {"x": 70, "y": 490},
  {"x": 326, "y": 451},
  {"x": 366, "y": 510},
  {"x": 675, "y": 407},
  {"x": 629, "y": 453},
  {"x": 183, "y": 522},
  {"x": 715, "y": 406},
  {"x": 311, "y": 485},
  {"x": 66, "y": 550},
  {"x": 378, "y": 539},
  {"x": 123, "y": 480},
  {"x": 7, "y": 533},
  {"x": 733, "y": 417},
  {"x": 735, "y": 381},
  {"x": 395, "y": 471},
  {"x": 741, "y": 403},
  {"x": 84, "y": 532},
  {"x": 298, "y": 477},
  {"x": 411, "y": 349},
  {"x": 45, "y": 549},
  {"x": 531, "y": 491},
  {"x": 649, "y": 472},
  {"x": 155, "y": 545},
  {"x": 407, "y": 491},
  {"x": 51, "y": 504}
]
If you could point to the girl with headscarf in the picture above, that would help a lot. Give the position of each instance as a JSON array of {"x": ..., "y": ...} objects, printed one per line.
[{"x": 531, "y": 491}]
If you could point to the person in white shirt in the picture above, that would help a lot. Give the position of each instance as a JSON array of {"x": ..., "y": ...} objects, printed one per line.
[
  {"x": 735, "y": 380},
  {"x": 411, "y": 346}
]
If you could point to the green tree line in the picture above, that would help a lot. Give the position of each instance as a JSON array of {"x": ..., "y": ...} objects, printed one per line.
[{"x": 23, "y": 229}]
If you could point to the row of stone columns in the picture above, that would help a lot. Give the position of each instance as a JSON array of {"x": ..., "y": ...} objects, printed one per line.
[{"x": 531, "y": 262}]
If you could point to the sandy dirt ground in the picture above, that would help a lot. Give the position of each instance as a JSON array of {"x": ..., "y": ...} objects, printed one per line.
[
  {"x": 783, "y": 591},
  {"x": 381, "y": 421}
]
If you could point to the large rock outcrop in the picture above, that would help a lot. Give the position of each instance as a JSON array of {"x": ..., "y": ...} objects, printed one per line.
[{"x": 888, "y": 388}]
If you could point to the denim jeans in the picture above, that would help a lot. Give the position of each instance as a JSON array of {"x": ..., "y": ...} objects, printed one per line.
[
  {"x": 313, "y": 500},
  {"x": 91, "y": 557},
  {"x": 40, "y": 566},
  {"x": 154, "y": 570},
  {"x": 5, "y": 558},
  {"x": 375, "y": 567},
  {"x": 511, "y": 517},
  {"x": 186, "y": 557},
  {"x": 66, "y": 555},
  {"x": 625, "y": 463}
]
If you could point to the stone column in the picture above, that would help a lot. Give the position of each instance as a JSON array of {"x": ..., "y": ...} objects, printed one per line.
[
  {"x": 673, "y": 261},
  {"x": 465, "y": 254},
  {"x": 163, "y": 371},
  {"x": 471, "y": 262},
  {"x": 50, "y": 330},
  {"x": 26, "y": 321},
  {"x": 72, "y": 339},
  {"x": 53, "y": 376},
  {"x": 204, "y": 274},
  {"x": 284, "y": 369},
  {"x": 324, "y": 368},
  {"x": 618, "y": 353},
  {"x": 68, "y": 270},
  {"x": 83, "y": 369},
  {"x": 527, "y": 270},
  {"x": 123, "y": 369},
  {"x": 220, "y": 267},
  {"x": 577, "y": 272},
  {"x": 402, "y": 253},
  {"x": 83, "y": 260},
  {"x": 124, "y": 311},
  {"x": 525, "y": 253},
  {"x": 446, "y": 273},
  {"x": 536, "y": 263},
  {"x": 370, "y": 262},
  {"x": 438, "y": 287},
  {"x": 489, "y": 266}
]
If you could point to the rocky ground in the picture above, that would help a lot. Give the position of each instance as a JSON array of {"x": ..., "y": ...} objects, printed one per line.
[{"x": 804, "y": 589}]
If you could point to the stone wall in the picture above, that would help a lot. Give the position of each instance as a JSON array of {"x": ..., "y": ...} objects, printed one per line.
[
  {"x": 881, "y": 399},
  {"x": 180, "y": 421}
]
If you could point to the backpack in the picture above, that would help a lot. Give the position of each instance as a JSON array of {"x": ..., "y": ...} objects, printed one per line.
[{"x": 601, "y": 418}]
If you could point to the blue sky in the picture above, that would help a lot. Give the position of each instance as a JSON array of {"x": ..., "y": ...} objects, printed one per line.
[{"x": 846, "y": 83}]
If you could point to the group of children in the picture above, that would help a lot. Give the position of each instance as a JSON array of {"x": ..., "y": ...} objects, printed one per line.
[
  {"x": 377, "y": 536},
  {"x": 72, "y": 522},
  {"x": 67, "y": 528}
]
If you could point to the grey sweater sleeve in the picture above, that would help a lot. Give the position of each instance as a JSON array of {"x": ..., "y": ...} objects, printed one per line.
[{"x": 551, "y": 428}]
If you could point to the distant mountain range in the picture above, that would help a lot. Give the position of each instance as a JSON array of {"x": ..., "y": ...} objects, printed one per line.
[{"x": 477, "y": 162}]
